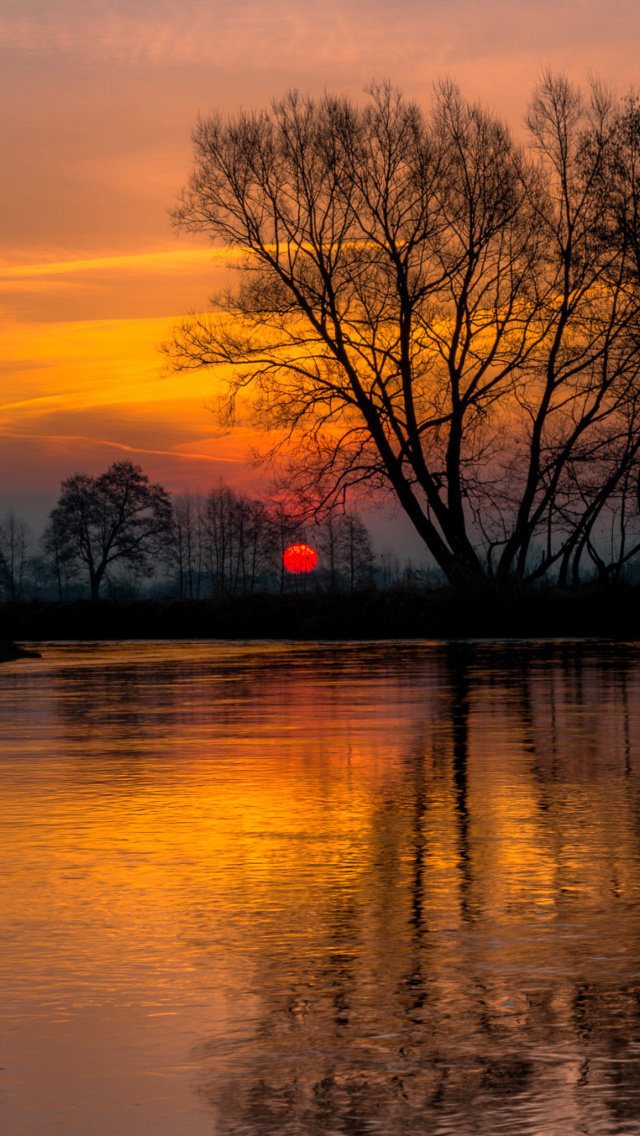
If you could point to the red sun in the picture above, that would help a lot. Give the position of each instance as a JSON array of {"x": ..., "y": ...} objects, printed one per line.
[{"x": 300, "y": 558}]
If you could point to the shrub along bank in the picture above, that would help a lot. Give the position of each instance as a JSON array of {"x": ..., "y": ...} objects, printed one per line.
[{"x": 611, "y": 613}]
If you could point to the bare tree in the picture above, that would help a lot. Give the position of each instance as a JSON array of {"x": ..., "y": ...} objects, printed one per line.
[
  {"x": 5, "y": 578},
  {"x": 244, "y": 540},
  {"x": 425, "y": 307},
  {"x": 579, "y": 404},
  {"x": 345, "y": 551},
  {"x": 329, "y": 544},
  {"x": 218, "y": 528},
  {"x": 185, "y": 543},
  {"x": 117, "y": 518},
  {"x": 59, "y": 557},
  {"x": 358, "y": 554},
  {"x": 15, "y": 548}
]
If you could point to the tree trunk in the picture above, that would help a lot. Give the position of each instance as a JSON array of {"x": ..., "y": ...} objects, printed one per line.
[{"x": 95, "y": 582}]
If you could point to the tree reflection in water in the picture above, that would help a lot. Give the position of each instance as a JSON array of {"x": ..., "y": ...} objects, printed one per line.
[
  {"x": 390, "y": 887},
  {"x": 478, "y": 972}
]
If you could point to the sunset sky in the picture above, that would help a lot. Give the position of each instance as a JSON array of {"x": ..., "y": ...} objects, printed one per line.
[{"x": 99, "y": 99}]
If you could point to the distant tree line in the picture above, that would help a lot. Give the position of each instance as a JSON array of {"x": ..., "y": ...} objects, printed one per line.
[
  {"x": 225, "y": 541},
  {"x": 118, "y": 532}
]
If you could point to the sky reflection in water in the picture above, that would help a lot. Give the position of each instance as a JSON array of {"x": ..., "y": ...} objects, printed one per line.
[{"x": 265, "y": 888}]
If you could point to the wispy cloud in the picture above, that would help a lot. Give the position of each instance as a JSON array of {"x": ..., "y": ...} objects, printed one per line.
[
  {"x": 335, "y": 41},
  {"x": 172, "y": 260},
  {"x": 179, "y": 452},
  {"x": 95, "y": 386},
  {"x": 129, "y": 285},
  {"x": 248, "y": 31}
]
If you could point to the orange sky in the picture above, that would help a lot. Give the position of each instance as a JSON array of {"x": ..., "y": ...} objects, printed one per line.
[{"x": 99, "y": 99}]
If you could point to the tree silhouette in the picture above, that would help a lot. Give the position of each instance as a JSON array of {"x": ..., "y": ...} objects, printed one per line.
[
  {"x": 118, "y": 517},
  {"x": 427, "y": 308},
  {"x": 15, "y": 547}
]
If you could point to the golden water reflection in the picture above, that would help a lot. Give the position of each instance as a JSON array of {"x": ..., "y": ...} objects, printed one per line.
[{"x": 316, "y": 889}]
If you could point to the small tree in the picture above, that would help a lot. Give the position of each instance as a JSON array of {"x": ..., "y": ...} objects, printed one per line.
[
  {"x": 346, "y": 552},
  {"x": 5, "y": 578},
  {"x": 118, "y": 517},
  {"x": 15, "y": 546},
  {"x": 359, "y": 558},
  {"x": 185, "y": 544},
  {"x": 58, "y": 557}
]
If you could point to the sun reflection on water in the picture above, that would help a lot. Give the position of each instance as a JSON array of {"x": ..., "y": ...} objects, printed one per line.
[{"x": 321, "y": 888}]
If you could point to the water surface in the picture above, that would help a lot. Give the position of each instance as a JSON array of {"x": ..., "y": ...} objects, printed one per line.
[{"x": 253, "y": 889}]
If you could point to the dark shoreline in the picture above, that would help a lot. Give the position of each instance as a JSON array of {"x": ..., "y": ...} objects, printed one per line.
[
  {"x": 612, "y": 613},
  {"x": 10, "y": 651}
]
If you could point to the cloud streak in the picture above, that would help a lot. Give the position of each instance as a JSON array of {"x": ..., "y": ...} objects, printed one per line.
[
  {"x": 251, "y": 34},
  {"x": 168, "y": 260},
  {"x": 185, "y": 455}
]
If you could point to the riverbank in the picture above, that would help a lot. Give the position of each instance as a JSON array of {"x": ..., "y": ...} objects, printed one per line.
[
  {"x": 439, "y": 614},
  {"x": 10, "y": 651}
]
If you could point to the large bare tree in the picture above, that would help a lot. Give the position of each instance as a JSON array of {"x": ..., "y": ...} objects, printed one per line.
[{"x": 427, "y": 307}]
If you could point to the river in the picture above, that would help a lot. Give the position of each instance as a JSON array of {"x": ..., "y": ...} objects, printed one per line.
[{"x": 271, "y": 889}]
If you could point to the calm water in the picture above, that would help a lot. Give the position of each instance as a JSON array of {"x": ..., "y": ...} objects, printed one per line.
[{"x": 260, "y": 889}]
